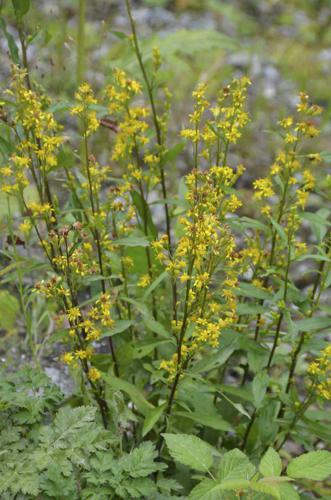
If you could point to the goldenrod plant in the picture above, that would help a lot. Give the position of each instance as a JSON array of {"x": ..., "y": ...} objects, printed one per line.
[{"x": 197, "y": 353}]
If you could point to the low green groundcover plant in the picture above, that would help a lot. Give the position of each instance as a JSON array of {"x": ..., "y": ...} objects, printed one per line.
[{"x": 191, "y": 313}]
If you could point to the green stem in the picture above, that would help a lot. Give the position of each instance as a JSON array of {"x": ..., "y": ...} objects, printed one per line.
[
  {"x": 154, "y": 115},
  {"x": 98, "y": 244},
  {"x": 81, "y": 41}
]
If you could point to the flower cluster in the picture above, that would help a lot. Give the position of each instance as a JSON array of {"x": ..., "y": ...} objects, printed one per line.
[
  {"x": 320, "y": 370},
  {"x": 132, "y": 126},
  {"x": 36, "y": 153},
  {"x": 288, "y": 167},
  {"x": 84, "y": 108},
  {"x": 205, "y": 264}
]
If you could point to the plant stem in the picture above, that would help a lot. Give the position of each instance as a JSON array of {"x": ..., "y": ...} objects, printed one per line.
[
  {"x": 281, "y": 314},
  {"x": 314, "y": 306},
  {"x": 154, "y": 113},
  {"x": 81, "y": 42},
  {"x": 98, "y": 244}
]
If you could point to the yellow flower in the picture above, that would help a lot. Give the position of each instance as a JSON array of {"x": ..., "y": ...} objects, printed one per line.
[
  {"x": 144, "y": 281},
  {"x": 286, "y": 122},
  {"x": 94, "y": 374},
  {"x": 6, "y": 171},
  {"x": 25, "y": 227},
  {"x": 73, "y": 314},
  {"x": 266, "y": 210},
  {"x": 302, "y": 197},
  {"x": 86, "y": 99},
  {"x": 233, "y": 203},
  {"x": 263, "y": 188},
  {"x": 84, "y": 353},
  {"x": 67, "y": 358}
]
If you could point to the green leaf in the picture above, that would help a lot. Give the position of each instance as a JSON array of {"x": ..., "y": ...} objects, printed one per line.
[
  {"x": 9, "y": 309},
  {"x": 212, "y": 490},
  {"x": 131, "y": 390},
  {"x": 287, "y": 492},
  {"x": 271, "y": 464},
  {"x": 190, "y": 451},
  {"x": 156, "y": 327},
  {"x": 155, "y": 284},
  {"x": 6, "y": 147},
  {"x": 279, "y": 230},
  {"x": 249, "y": 290},
  {"x": 119, "y": 34},
  {"x": 152, "y": 417},
  {"x": 238, "y": 406},
  {"x": 315, "y": 465},
  {"x": 247, "y": 222},
  {"x": 21, "y": 7},
  {"x": 120, "y": 326},
  {"x": 13, "y": 49},
  {"x": 206, "y": 490},
  {"x": 259, "y": 388},
  {"x": 132, "y": 241},
  {"x": 311, "y": 324},
  {"x": 72, "y": 428},
  {"x": 270, "y": 489},
  {"x": 141, "y": 461},
  {"x": 144, "y": 212},
  {"x": 235, "y": 465},
  {"x": 249, "y": 309},
  {"x": 230, "y": 339},
  {"x": 212, "y": 421},
  {"x": 143, "y": 348},
  {"x": 172, "y": 153}
]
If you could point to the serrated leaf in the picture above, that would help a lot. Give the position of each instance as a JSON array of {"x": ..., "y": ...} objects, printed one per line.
[
  {"x": 287, "y": 492},
  {"x": 190, "y": 451},
  {"x": 212, "y": 490},
  {"x": 315, "y": 465},
  {"x": 271, "y": 464},
  {"x": 141, "y": 461},
  {"x": 267, "y": 488},
  {"x": 235, "y": 465}
]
